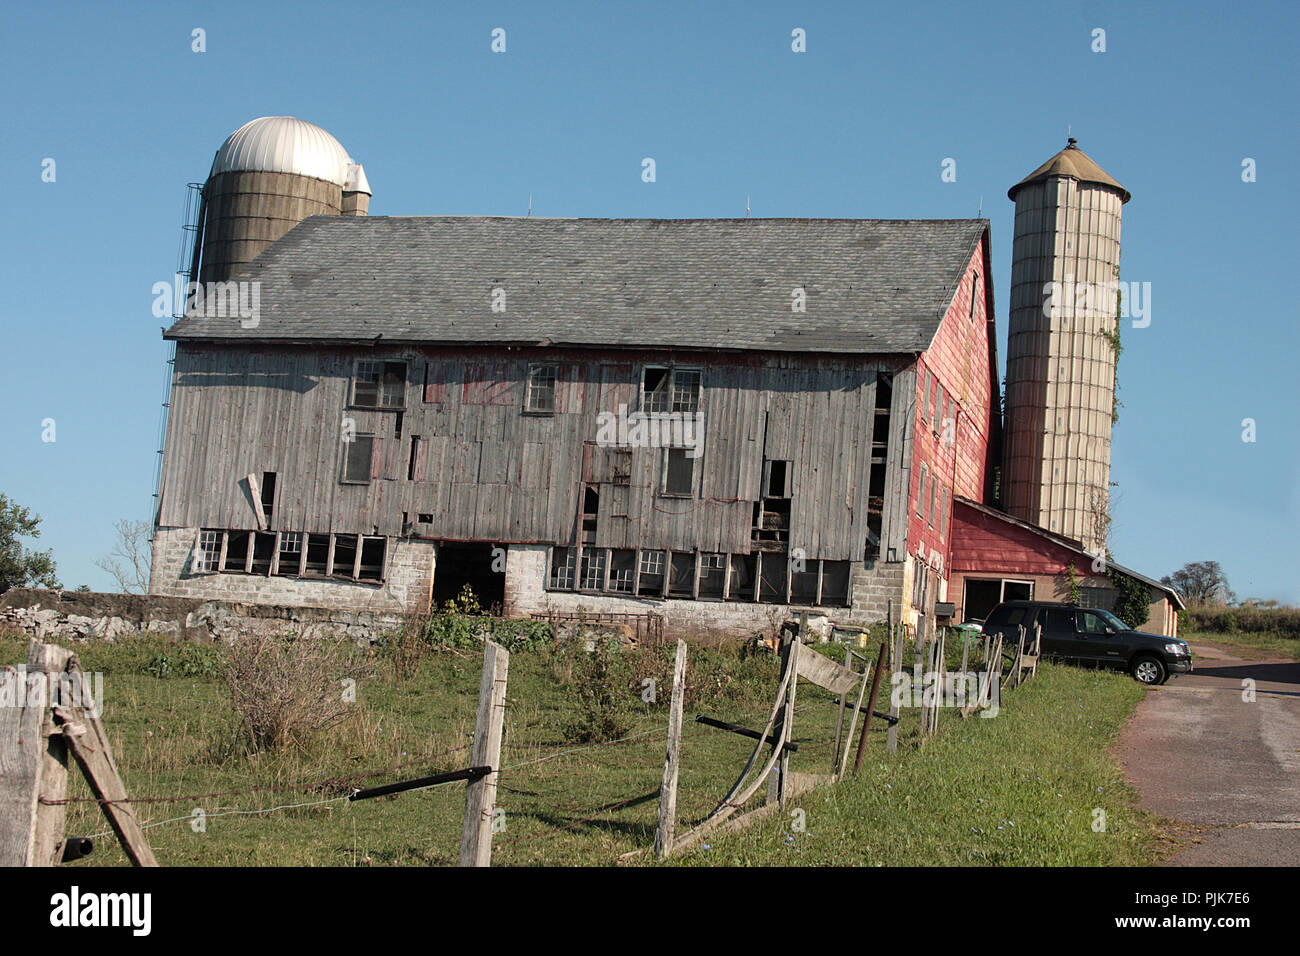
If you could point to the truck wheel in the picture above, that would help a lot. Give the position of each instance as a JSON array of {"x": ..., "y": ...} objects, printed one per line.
[{"x": 1149, "y": 670}]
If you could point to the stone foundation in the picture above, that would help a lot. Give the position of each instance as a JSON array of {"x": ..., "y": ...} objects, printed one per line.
[
  {"x": 407, "y": 585},
  {"x": 526, "y": 594}
]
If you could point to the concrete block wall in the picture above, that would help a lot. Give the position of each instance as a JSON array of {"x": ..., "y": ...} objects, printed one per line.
[
  {"x": 407, "y": 587},
  {"x": 873, "y": 589}
]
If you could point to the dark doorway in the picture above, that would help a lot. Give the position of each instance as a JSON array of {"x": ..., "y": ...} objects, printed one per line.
[
  {"x": 475, "y": 565},
  {"x": 981, "y": 597}
]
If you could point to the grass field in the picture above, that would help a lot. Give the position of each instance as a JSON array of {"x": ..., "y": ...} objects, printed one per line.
[
  {"x": 1252, "y": 645},
  {"x": 1016, "y": 789}
]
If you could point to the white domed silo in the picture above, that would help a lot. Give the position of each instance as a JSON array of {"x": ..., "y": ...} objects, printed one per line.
[
  {"x": 1060, "y": 348},
  {"x": 268, "y": 176}
]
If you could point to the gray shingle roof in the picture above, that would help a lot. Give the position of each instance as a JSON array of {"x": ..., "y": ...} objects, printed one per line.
[{"x": 873, "y": 286}]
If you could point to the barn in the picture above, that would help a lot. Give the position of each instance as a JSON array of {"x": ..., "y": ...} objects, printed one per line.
[{"x": 718, "y": 422}]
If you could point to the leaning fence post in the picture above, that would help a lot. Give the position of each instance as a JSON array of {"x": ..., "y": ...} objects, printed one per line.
[
  {"x": 672, "y": 762},
  {"x": 896, "y": 658},
  {"x": 481, "y": 794}
]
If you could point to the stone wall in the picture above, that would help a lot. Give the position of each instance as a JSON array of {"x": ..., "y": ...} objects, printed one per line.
[
  {"x": 407, "y": 586},
  {"x": 77, "y": 615}
]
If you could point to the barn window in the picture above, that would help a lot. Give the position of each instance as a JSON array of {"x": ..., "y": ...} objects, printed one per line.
[
  {"x": 268, "y": 495},
  {"x": 650, "y": 581},
  {"x": 318, "y": 554},
  {"x": 357, "y": 457},
  {"x": 670, "y": 390},
  {"x": 925, "y": 390},
  {"x": 563, "y": 565},
  {"x": 974, "y": 291},
  {"x": 290, "y": 554},
  {"x": 835, "y": 584},
  {"x": 345, "y": 556},
  {"x": 679, "y": 473},
  {"x": 263, "y": 552},
  {"x": 713, "y": 575},
  {"x": 236, "y": 552},
  {"x": 742, "y": 578},
  {"x": 929, "y": 506},
  {"x": 803, "y": 583},
  {"x": 777, "y": 476},
  {"x": 372, "y": 559},
  {"x": 681, "y": 578},
  {"x": 208, "y": 555},
  {"x": 622, "y": 570},
  {"x": 593, "y": 569},
  {"x": 379, "y": 384},
  {"x": 539, "y": 399},
  {"x": 920, "y": 494},
  {"x": 943, "y": 514}
]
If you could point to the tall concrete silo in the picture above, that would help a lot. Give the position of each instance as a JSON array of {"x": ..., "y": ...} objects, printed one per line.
[
  {"x": 1060, "y": 354},
  {"x": 268, "y": 176}
]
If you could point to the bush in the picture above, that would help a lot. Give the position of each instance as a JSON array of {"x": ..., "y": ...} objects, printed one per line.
[
  {"x": 1249, "y": 619},
  {"x": 186, "y": 660},
  {"x": 285, "y": 689},
  {"x": 600, "y": 691}
]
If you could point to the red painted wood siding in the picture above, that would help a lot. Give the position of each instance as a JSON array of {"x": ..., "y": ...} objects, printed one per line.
[
  {"x": 990, "y": 546},
  {"x": 961, "y": 380}
]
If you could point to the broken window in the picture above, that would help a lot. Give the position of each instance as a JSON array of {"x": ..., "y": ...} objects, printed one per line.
[
  {"x": 539, "y": 398},
  {"x": 415, "y": 456},
  {"x": 263, "y": 552},
  {"x": 803, "y": 583},
  {"x": 622, "y": 569},
  {"x": 593, "y": 569},
  {"x": 590, "y": 513},
  {"x": 681, "y": 578},
  {"x": 236, "y": 551},
  {"x": 207, "y": 557},
  {"x": 776, "y": 478},
  {"x": 372, "y": 559},
  {"x": 651, "y": 578},
  {"x": 679, "y": 473},
  {"x": 357, "y": 458},
  {"x": 424, "y": 518},
  {"x": 771, "y": 578},
  {"x": 835, "y": 584},
  {"x": 742, "y": 578},
  {"x": 290, "y": 554},
  {"x": 379, "y": 384},
  {"x": 563, "y": 565},
  {"x": 268, "y": 495},
  {"x": 345, "y": 556},
  {"x": 713, "y": 575},
  {"x": 670, "y": 390},
  {"x": 318, "y": 552}
]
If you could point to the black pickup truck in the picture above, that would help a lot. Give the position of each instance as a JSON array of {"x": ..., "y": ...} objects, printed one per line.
[{"x": 1092, "y": 636}]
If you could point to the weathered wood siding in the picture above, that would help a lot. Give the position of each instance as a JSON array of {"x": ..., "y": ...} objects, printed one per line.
[{"x": 488, "y": 472}]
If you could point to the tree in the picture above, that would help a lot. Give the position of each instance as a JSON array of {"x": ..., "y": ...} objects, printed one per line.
[
  {"x": 131, "y": 558},
  {"x": 1201, "y": 582},
  {"x": 20, "y": 568}
]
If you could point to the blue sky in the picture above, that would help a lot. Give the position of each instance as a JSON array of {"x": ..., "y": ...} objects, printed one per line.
[{"x": 857, "y": 126}]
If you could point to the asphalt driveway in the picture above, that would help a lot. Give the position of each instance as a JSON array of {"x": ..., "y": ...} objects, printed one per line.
[{"x": 1201, "y": 754}]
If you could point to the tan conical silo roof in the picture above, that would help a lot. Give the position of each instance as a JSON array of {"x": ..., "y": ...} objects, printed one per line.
[{"x": 1074, "y": 163}]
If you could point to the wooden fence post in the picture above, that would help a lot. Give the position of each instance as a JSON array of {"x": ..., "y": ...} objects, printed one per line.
[
  {"x": 480, "y": 794},
  {"x": 33, "y": 763},
  {"x": 672, "y": 762},
  {"x": 896, "y": 657}
]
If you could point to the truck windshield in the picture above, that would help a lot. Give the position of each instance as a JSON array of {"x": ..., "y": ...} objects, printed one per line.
[{"x": 1111, "y": 619}]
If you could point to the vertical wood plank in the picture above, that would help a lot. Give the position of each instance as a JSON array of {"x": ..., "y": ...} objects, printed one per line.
[
  {"x": 672, "y": 762},
  {"x": 480, "y": 794}
]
